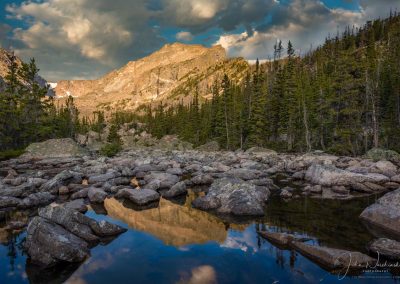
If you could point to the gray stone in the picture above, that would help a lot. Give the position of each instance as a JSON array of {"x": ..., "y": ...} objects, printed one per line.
[
  {"x": 244, "y": 174},
  {"x": 138, "y": 196},
  {"x": 177, "y": 190},
  {"x": 37, "y": 199},
  {"x": 385, "y": 247},
  {"x": 166, "y": 180},
  {"x": 64, "y": 178},
  {"x": 328, "y": 175},
  {"x": 48, "y": 243},
  {"x": 83, "y": 193},
  {"x": 233, "y": 196},
  {"x": 203, "y": 179},
  {"x": 96, "y": 195},
  {"x": 55, "y": 148},
  {"x": 7, "y": 202},
  {"x": 385, "y": 213},
  {"x": 77, "y": 204},
  {"x": 102, "y": 178}
]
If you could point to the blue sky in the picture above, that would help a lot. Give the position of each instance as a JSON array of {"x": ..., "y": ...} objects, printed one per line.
[{"x": 81, "y": 39}]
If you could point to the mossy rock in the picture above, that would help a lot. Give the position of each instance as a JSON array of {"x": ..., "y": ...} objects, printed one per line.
[
  {"x": 378, "y": 154},
  {"x": 212, "y": 146},
  {"x": 55, "y": 148}
]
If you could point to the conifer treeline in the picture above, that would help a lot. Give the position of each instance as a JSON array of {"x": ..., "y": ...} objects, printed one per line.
[
  {"x": 343, "y": 97},
  {"x": 27, "y": 114}
]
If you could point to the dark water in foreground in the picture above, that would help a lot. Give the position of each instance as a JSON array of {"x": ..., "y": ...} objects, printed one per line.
[{"x": 175, "y": 243}]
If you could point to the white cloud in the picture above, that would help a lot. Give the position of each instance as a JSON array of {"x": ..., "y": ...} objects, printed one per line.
[
  {"x": 303, "y": 22},
  {"x": 71, "y": 37},
  {"x": 185, "y": 36},
  {"x": 87, "y": 38}
]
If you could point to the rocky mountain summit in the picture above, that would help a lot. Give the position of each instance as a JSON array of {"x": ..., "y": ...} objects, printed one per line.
[{"x": 169, "y": 75}]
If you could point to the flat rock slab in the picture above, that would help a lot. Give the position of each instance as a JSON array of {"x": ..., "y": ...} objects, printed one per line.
[
  {"x": 329, "y": 175},
  {"x": 139, "y": 196},
  {"x": 332, "y": 258},
  {"x": 386, "y": 247},
  {"x": 385, "y": 213}
]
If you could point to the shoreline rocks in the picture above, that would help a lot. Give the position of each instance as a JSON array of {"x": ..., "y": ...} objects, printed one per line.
[
  {"x": 234, "y": 196},
  {"x": 385, "y": 213},
  {"x": 63, "y": 234}
]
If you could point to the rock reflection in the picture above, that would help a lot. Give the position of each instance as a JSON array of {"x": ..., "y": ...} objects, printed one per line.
[{"x": 174, "y": 224}]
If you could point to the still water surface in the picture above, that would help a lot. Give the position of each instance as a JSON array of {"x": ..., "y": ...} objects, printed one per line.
[{"x": 174, "y": 243}]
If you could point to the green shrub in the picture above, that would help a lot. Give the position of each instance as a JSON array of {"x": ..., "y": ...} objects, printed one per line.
[
  {"x": 110, "y": 150},
  {"x": 9, "y": 154}
]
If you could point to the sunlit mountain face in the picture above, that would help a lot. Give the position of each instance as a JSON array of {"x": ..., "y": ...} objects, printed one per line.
[{"x": 91, "y": 38}]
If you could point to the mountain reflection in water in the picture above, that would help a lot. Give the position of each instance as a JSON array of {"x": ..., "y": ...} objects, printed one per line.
[
  {"x": 174, "y": 224},
  {"x": 171, "y": 242}
]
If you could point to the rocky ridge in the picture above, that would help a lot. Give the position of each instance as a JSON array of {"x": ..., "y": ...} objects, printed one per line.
[{"x": 170, "y": 75}]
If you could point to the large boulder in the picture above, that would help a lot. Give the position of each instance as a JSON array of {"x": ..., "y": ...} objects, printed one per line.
[
  {"x": 77, "y": 223},
  {"x": 212, "y": 146},
  {"x": 385, "y": 213},
  {"x": 386, "y": 248},
  {"x": 60, "y": 233},
  {"x": 48, "y": 243},
  {"x": 332, "y": 258},
  {"x": 329, "y": 175},
  {"x": 234, "y": 196},
  {"x": 378, "y": 154},
  {"x": 55, "y": 148}
]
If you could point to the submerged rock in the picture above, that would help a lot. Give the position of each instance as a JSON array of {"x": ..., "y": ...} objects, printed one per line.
[
  {"x": 332, "y": 258},
  {"x": 282, "y": 239},
  {"x": 234, "y": 196},
  {"x": 385, "y": 213}
]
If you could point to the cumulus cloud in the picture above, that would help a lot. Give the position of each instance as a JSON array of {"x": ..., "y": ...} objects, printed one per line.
[
  {"x": 87, "y": 38},
  {"x": 305, "y": 23},
  {"x": 185, "y": 36},
  {"x": 71, "y": 37}
]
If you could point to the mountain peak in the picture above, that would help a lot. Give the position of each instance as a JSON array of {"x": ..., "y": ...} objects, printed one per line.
[{"x": 169, "y": 75}]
